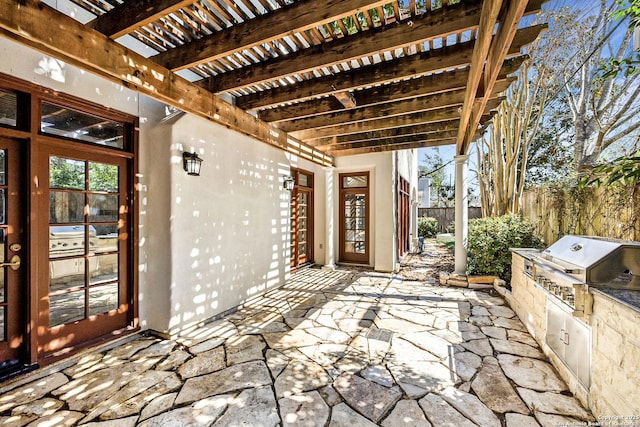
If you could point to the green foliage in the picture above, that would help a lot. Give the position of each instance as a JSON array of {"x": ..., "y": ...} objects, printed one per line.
[
  {"x": 66, "y": 173},
  {"x": 451, "y": 228},
  {"x": 629, "y": 65},
  {"x": 489, "y": 241},
  {"x": 622, "y": 171},
  {"x": 427, "y": 226},
  {"x": 432, "y": 167}
]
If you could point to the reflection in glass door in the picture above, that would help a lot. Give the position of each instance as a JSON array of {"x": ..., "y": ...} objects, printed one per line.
[
  {"x": 354, "y": 218},
  {"x": 83, "y": 245},
  {"x": 12, "y": 264},
  {"x": 86, "y": 280}
]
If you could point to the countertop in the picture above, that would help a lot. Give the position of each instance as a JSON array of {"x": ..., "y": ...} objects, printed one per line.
[
  {"x": 527, "y": 253},
  {"x": 628, "y": 297}
]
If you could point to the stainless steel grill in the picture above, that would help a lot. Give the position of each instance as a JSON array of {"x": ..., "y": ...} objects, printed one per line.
[{"x": 574, "y": 263}]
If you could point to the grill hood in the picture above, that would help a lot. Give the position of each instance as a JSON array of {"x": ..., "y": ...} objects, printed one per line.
[{"x": 595, "y": 261}]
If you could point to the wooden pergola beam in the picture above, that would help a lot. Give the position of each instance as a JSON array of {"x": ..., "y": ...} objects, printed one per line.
[
  {"x": 388, "y": 110},
  {"x": 444, "y": 21},
  {"x": 130, "y": 15},
  {"x": 499, "y": 46},
  {"x": 434, "y": 116},
  {"x": 386, "y": 72},
  {"x": 487, "y": 58},
  {"x": 394, "y": 92},
  {"x": 400, "y": 139},
  {"x": 272, "y": 26},
  {"x": 392, "y": 147},
  {"x": 68, "y": 40},
  {"x": 488, "y": 20},
  {"x": 424, "y": 117},
  {"x": 424, "y": 128}
]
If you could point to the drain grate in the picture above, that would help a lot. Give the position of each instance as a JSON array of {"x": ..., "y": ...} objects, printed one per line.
[{"x": 380, "y": 335}]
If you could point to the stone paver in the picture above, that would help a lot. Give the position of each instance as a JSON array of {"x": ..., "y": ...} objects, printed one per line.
[{"x": 345, "y": 347}]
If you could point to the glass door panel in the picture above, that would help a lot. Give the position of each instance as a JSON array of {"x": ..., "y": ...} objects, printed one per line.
[
  {"x": 88, "y": 247},
  {"x": 354, "y": 219},
  {"x": 302, "y": 218},
  {"x": 83, "y": 258}
]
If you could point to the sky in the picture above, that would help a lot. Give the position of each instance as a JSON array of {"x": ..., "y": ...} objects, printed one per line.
[{"x": 447, "y": 152}]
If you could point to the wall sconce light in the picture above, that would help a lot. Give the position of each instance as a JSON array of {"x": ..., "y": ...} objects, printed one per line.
[
  {"x": 288, "y": 183},
  {"x": 191, "y": 163}
]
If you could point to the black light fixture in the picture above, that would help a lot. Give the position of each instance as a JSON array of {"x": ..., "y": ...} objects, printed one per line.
[
  {"x": 191, "y": 163},
  {"x": 288, "y": 183}
]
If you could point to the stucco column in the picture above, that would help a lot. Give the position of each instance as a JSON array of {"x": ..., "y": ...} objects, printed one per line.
[
  {"x": 414, "y": 224},
  {"x": 330, "y": 224},
  {"x": 462, "y": 214}
]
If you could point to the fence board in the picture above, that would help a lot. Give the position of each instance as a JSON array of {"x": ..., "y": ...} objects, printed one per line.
[
  {"x": 612, "y": 212},
  {"x": 446, "y": 216}
]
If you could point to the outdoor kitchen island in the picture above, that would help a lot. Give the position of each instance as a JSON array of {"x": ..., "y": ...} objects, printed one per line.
[{"x": 580, "y": 300}]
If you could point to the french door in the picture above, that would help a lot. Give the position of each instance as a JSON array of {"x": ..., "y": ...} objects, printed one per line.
[
  {"x": 67, "y": 224},
  {"x": 354, "y": 218},
  {"x": 84, "y": 265},
  {"x": 13, "y": 254},
  {"x": 301, "y": 218},
  {"x": 403, "y": 217}
]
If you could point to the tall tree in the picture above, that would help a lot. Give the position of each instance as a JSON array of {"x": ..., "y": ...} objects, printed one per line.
[
  {"x": 603, "y": 106},
  {"x": 433, "y": 167},
  {"x": 502, "y": 154}
]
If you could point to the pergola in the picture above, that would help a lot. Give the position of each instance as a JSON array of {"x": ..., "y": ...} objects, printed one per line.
[{"x": 318, "y": 79}]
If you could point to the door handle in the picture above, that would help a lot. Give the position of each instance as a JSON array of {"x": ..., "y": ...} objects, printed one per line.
[{"x": 14, "y": 264}]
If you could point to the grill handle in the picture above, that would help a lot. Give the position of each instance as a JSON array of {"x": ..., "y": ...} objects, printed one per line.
[{"x": 562, "y": 268}]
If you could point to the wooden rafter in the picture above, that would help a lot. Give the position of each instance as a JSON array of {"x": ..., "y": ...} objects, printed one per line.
[
  {"x": 385, "y": 133},
  {"x": 130, "y": 15},
  {"x": 486, "y": 57},
  {"x": 445, "y": 20},
  {"x": 94, "y": 52},
  {"x": 403, "y": 68},
  {"x": 404, "y": 80},
  {"x": 404, "y": 90},
  {"x": 263, "y": 29}
]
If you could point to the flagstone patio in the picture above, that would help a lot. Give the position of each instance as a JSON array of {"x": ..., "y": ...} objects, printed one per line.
[{"x": 348, "y": 347}]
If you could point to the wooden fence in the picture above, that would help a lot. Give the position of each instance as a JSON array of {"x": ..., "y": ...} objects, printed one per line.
[
  {"x": 446, "y": 216},
  {"x": 612, "y": 212}
]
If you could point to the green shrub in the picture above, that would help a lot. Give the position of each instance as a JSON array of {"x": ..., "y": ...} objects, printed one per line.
[
  {"x": 427, "y": 226},
  {"x": 451, "y": 228},
  {"x": 489, "y": 241}
]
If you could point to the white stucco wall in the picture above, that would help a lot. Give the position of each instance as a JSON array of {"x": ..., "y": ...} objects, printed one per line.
[
  {"x": 382, "y": 168},
  {"x": 206, "y": 243}
]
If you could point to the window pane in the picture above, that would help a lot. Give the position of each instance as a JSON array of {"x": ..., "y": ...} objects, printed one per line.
[
  {"x": 103, "y": 299},
  {"x": 103, "y": 269},
  {"x": 3, "y": 270},
  {"x": 3, "y": 209},
  {"x": 103, "y": 177},
  {"x": 103, "y": 208},
  {"x": 8, "y": 108},
  {"x": 66, "y": 308},
  {"x": 66, "y": 274},
  {"x": 303, "y": 180},
  {"x": 358, "y": 181},
  {"x": 2, "y": 323},
  {"x": 61, "y": 121},
  {"x": 3, "y": 167},
  {"x": 106, "y": 239},
  {"x": 65, "y": 206},
  {"x": 66, "y": 240},
  {"x": 66, "y": 173}
]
